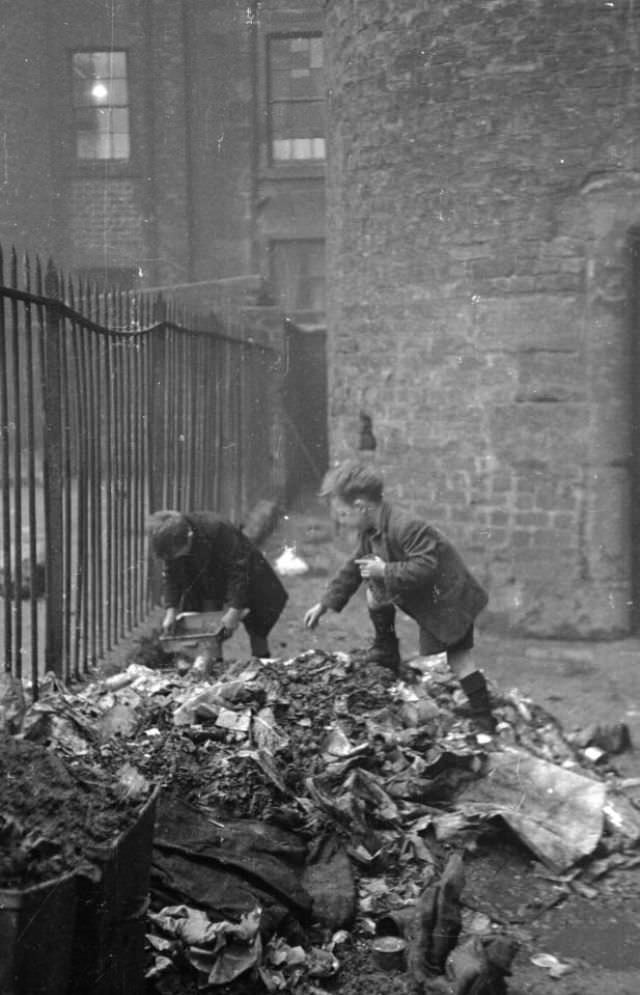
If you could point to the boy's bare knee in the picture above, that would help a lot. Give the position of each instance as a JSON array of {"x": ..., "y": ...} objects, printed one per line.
[{"x": 462, "y": 663}]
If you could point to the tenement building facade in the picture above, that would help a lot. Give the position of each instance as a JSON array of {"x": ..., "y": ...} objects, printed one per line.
[{"x": 155, "y": 143}]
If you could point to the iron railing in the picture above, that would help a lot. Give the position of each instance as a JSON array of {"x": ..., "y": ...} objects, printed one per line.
[{"x": 112, "y": 406}]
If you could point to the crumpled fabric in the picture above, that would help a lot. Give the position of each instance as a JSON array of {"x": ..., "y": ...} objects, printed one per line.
[
  {"x": 433, "y": 932},
  {"x": 221, "y": 951},
  {"x": 479, "y": 968}
]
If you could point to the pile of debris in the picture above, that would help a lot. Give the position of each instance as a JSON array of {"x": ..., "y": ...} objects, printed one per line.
[
  {"x": 65, "y": 793},
  {"x": 317, "y": 810}
]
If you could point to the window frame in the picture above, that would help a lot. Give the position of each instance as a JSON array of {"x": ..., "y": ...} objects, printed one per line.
[
  {"x": 92, "y": 164},
  {"x": 291, "y": 163}
]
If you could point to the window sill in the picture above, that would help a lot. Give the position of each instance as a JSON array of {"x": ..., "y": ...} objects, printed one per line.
[
  {"x": 98, "y": 169},
  {"x": 297, "y": 171}
]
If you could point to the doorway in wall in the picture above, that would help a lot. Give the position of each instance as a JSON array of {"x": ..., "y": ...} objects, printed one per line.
[
  {"x": 634, "y": 332},
  {"x": 305, "y": 397},
  {"x": 297, "y": 272}
]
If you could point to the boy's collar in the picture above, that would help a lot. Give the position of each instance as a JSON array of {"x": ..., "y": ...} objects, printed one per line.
[{"x": 375, "y": 526}]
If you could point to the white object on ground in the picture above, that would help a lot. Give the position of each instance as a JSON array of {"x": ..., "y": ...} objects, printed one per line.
[{"x": 289, "y": 564}]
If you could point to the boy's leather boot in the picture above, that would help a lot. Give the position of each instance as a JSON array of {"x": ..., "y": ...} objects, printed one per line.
[
  {"x": 384, "y": 650},
  {"x": 474, "y": 686},
  {"x": 259, "y": 646}
]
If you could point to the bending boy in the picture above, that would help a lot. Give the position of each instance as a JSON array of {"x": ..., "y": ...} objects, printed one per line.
[
  {"x": 209, "y": 561},
  {"x": 406, "y": 564}
]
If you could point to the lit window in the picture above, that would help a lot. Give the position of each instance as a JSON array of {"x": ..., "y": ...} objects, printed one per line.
[
  {"x": 298, "y": 274},
  {"x": 101, "y": 105},
  {"x": 296, "y": 99}
]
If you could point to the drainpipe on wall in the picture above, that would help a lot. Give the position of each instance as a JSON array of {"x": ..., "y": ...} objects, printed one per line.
[
  {"x": 58, "y": 201},
  {"x": 633, "y": 298},
  {"x": 149, "y": 166},
  {"x": 252, "y": 17},
  {"x": 188, "y": 81}
]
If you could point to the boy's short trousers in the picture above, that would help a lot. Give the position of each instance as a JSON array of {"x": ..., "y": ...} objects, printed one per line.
[{"x": 430, "y": 645}]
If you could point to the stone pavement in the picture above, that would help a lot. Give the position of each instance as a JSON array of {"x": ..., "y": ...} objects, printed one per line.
[{"x": 579, "y": 682}]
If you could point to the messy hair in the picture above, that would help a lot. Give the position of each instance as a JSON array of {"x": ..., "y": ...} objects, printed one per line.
[
  {"x": 168, "y": 532},
  {"x": 351, "y": 480}
]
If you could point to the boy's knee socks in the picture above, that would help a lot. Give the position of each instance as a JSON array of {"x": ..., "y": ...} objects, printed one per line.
[
  {"x": 383, "y": 620},
  {"x": 474, "y": 686}
]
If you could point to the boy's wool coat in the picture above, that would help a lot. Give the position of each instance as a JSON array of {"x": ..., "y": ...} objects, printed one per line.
[{"x": 425, "y": 576}]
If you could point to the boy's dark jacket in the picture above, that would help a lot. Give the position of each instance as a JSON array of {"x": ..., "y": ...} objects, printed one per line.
[
  {"x": 225, "y": 568},
  {"x": 425, "y": 576}
]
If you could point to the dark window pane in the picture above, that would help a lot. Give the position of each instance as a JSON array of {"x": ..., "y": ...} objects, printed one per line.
[
  {"x": 316, "y": 53},
  {"x": 282, "y": 120},
  {"x": 307, "y": 120},
  {"x": 298, "y": 274},
  {"x": 279, "y": 54},
  {"x": 316, "y": 83},
  {"x": 301, "y": 87},
  {"x": 280, "y": 86}
]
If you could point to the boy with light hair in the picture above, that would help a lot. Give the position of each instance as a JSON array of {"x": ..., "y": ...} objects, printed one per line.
[{"x": 410, "y": 565}]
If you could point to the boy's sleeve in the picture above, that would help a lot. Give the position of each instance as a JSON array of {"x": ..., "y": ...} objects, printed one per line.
[
  {"x": 343, "y": 586},
  {"x": 172, "y": 583},
  {"x": 420, "y": 547},
  {"x": 238, "y": 571}
]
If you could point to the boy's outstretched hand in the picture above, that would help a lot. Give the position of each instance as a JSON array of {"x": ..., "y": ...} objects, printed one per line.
[
  {"x": 231, "y": 619},
  {"x": 371, "y": 567},
  {"x": 314, "y": 615},
  {"x": 169, "y": 621}
]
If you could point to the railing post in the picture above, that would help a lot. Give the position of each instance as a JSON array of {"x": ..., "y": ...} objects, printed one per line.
[
  {"x": 157, "y": 432},
  {"x": 51, "y": 392}
]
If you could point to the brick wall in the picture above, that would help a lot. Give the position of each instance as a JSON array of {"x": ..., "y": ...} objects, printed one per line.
[
  {"x": 106, "y": 223},
  {"x": 220, "y": 114},
  {"x": 27, "y": 192},
  {"x": 197, "y": 200},
  {"x": 483, "y": 174}
]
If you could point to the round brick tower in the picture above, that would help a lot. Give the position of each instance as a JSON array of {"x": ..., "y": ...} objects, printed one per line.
[{"x": 483, "y": 187}]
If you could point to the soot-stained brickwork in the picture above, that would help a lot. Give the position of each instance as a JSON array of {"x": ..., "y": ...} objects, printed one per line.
[
  {"x": 484, "y": 177},
  {"x": 198, "y": 199}
]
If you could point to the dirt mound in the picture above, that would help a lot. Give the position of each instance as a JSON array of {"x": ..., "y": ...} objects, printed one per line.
[{"x": 56, "y": 813}]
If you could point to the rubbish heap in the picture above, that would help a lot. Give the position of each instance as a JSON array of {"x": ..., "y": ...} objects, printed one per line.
[
  {"x": 77, "y": 831},
  {"x": 317, "y": 811}
]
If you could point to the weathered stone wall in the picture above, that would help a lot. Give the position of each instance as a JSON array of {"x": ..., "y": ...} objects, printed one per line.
[{"x": 484, "y": 171}]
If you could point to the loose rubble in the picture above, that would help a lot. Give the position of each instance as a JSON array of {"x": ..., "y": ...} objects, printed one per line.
[
  {"x": 57, "y": 811},
  {"x": 318, "y": 813}
]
